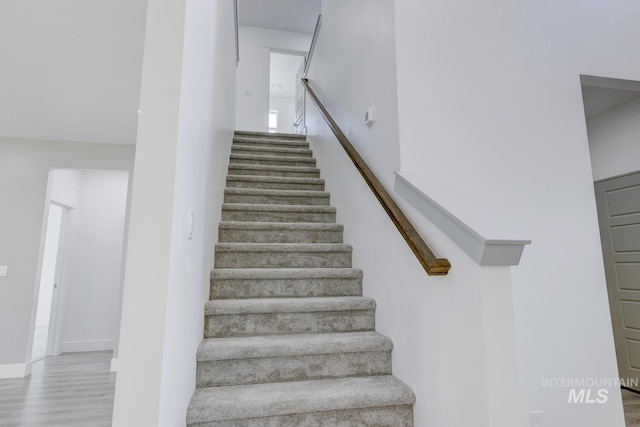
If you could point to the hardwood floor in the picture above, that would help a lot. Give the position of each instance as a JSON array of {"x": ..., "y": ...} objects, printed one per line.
[
  {"x": 71, "y": 390},
  {"x": 631, "y": 402},
  {"x": 76, "y": 390}
]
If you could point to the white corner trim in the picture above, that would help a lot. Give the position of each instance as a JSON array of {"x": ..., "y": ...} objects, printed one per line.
[
  {"x": 17, "y": 370},
  {"x": 114, "y": 365},
  {"x": 481, "y": 250},
  {"x": 87, "y": 345}
]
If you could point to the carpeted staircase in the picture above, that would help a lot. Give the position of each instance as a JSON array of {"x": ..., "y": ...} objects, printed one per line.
[{"x": 289, "y": 339}]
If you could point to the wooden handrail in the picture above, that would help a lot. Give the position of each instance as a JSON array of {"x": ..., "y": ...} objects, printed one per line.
[{"x": 434, "y": 266}]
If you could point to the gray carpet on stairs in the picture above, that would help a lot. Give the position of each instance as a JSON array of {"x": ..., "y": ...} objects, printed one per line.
[{"x": 289, "y": 339}]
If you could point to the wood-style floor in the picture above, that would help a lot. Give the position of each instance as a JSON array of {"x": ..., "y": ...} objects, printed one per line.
[
  {"x": 76, "y": 390},
  {"x": 631, "y": 402},
  {"x": 72, "y": 390}
]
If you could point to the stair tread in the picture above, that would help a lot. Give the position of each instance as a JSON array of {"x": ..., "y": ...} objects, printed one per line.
[
  {"x": 285, "y": 273},
  {"x": 269, "y": 135},
  {"x": 274, "y": 168},
  {"x": 279, "y": 179},
  {"x": 270, "y": 192},
  {"x": 241, "y": 141},
  {"x": 255, "y": 225},
  {"x": 237, "y": 156},
  {"x": 283, "y": 247},
  {"x": 288, "y": 305},
  {"x": 291, "y": 345},
  {"x": 272, "y": 399},
  {"x": 283, "y": 150},
  {"x": 283, "y": 208}
]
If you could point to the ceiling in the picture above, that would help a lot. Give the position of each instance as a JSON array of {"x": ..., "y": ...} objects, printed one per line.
[
  {"x": 598, "y": 100},
  {"x": 298, "y": 16}
]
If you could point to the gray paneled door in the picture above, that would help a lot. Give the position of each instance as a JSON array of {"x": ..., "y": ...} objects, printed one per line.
[{"x": 618, "y": 202}]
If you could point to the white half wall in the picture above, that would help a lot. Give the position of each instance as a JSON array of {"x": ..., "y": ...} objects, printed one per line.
[
  {"x": 24, "y": 172},
  {"x": 252, "y": 93},
  {"x": 490, "y": 102},
  {"x": 614, "y": 141}
]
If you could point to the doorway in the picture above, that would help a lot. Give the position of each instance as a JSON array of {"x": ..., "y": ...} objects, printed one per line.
[
  {"x": 612, "y": 110},
  {"x": 285, "y": 101},
  {"x": 77, "y": 295},
  {"x": 44, "y": 337}
]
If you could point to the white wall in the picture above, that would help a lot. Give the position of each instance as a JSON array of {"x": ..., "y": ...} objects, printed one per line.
[
  {"x": 252, "y": 93},
  {"x": 184, "y": 137},
  {"x": 92, "y": 271},
  {"x": 490, "y": 102},
  {"x": 24, "y": 171},
  {"x": 65, "y": 186},
  {"x": 437, "y": 324},
  {"x": 614, "y": 141},
  {"x": 354, "y": 67},
  {"x": 71, "y": 69}
]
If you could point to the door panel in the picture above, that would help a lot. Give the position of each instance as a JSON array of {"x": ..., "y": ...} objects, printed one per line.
[{"x": 618, "y": 203}]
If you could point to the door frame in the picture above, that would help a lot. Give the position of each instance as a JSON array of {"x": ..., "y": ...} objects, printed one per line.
[
  {"x": 266, "y": 96},
  {"x": 610, "y": 275},
  {"x": 54, "y": 339}
]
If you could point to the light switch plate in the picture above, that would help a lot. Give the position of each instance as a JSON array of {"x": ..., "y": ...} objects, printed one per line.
[{"x": 3, "y": 270}]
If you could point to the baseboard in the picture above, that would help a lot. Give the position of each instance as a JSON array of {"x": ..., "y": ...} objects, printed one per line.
[
  {"x": 114, "y": 365},
  {"x": 88, "y": 345},
  {"x": 16, "y": 370}
]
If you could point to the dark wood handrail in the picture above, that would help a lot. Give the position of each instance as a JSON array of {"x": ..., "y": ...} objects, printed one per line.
[{"x": 433, "y": 265}]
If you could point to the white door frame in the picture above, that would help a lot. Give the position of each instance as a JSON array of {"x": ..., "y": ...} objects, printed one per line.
[
  {"x": 266, "y": 95},
  {"x": 54, "y": 339}
]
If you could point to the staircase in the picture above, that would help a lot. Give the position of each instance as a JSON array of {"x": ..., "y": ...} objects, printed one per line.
[{"x": 289, "y": 339}]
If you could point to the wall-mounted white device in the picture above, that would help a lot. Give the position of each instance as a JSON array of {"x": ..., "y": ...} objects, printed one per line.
[
  {"x": 190, "y": 225},
  {"x": 370, "y": 116}
]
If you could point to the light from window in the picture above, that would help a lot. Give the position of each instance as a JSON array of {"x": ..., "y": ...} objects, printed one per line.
[{"x": 273, "y": 120}]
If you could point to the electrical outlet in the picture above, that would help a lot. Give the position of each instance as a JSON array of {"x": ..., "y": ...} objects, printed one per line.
[
  {"x": 536, "y": 419},
  {"x": 3, "y": 270}
]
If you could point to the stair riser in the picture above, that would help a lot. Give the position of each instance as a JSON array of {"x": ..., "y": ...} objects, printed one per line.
[
  {"x": 289, "y": 259},
  {"x": 385, "y": 416},
  {"x": 254, "y": 324},
  {"x": 272, "y": 151},
  {"x": 277, "y": 216},
  {"x": 285, "y": 173},
  {"x": 264, "y": 185},
  {"x": 278, "y": 236},
  {"x": 273, "y": 161},
  {"x": 282, "y": 288},
  {"x": 292, "y": 368},
  {"x": 276, "y": 199}
]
